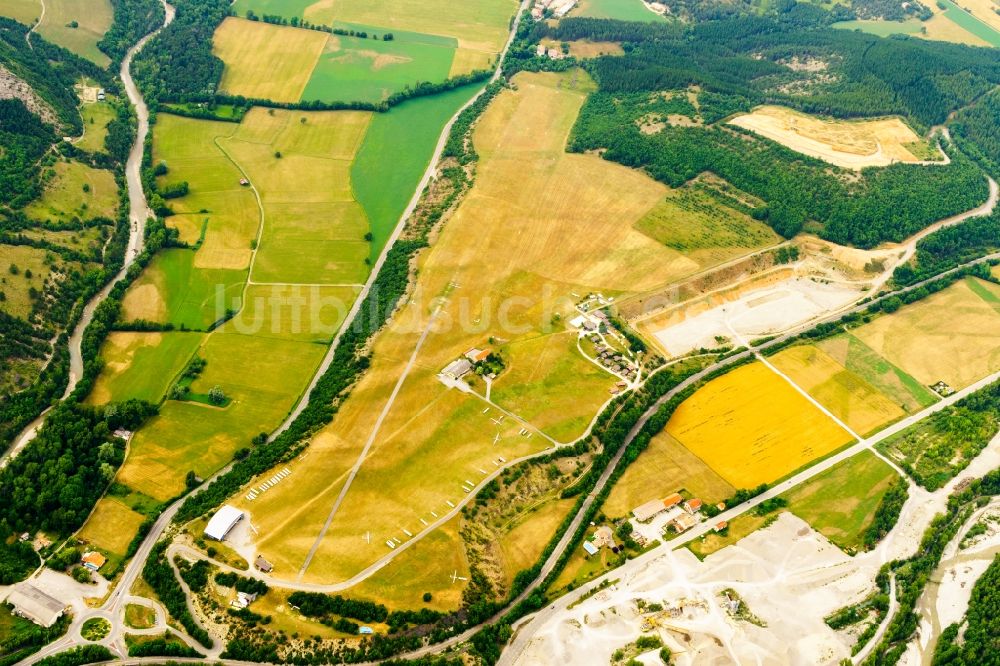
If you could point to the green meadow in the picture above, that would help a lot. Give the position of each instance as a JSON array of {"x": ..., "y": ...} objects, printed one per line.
[
  {"x": 408, "y": 132},
  {"x": 622, "y": 10},
  {"x": 193, "y": 436},
  {"x": 369, "y": 70},
  {"x": 96, "y": 117},
  {"x": 285, "y": 8},
  {"x": 172, "y": 290},
  {"x": 142, "y": 365}
]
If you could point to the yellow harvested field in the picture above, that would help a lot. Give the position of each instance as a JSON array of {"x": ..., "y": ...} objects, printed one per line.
[
  {"x": 853, "y": 400},
  {"x": 852, "y": 144},
  {"x": 664, "y": 468},
  {"x": 266, "y": 61},
  {"x": 752, "y": 427},
  {"x": 941, "y": 28},
  {"x": 951, "y": 336},
  {"x": 426, "y": 566},
  {"x": 551, "y": 223},
  {"x": 470, "y": 60},
  {"x": 523, "y": 544},
  {"x": 111, "y": 526}
]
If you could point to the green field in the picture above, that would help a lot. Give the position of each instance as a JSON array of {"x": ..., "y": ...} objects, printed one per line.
[
  {"x": 691, "y": 221},
  {"x": 93, "y": 18},
  {"x": 263, "y": 377},
  {"x": 409, "y": 133},
  {"x": 841, "y": 502},
  {"x": 369, "y": 70},
  {"x": 622, "y": 10},
  {"x": 142, "y": 365},
  {"x": 96, "y": 117},
  {"x": 64, "y": 197},
  {"x": 25, "y": 11},
  {"x": 171, "y": 290},
  {"x": 551, "y": 385},
  {"x": 300, "y": 164},
  {"x": 969, "y": 22},
  {"x": 863, "y": 361},
  {"x": 216, "y": 203},
  {"x": 307, "y": 313}
]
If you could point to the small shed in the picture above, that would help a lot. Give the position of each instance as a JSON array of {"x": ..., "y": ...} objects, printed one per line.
[{"x": 263, "y": 565}]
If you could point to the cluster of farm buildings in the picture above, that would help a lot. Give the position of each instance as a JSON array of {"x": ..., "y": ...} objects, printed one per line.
[
  {"x": 673, "y": 513},
  {"x": 34, "y": 604},
  {"x": 464, "y": 365},
  {"x": 554, "y": 8}
]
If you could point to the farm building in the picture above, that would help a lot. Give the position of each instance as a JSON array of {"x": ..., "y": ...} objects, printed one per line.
[
  {"x": 646, "y": 511},
  {"x": 477, "y": 355},
  {"x": 693, "y": 505},
  {"x": 457, "y": 369},
  {"x": 683, "y": 522},
  {"x": 222, "y": 522},
  {"x": 32, "y": 604},
  {"x": 604, "y": 536},
  {"x": 263, "y": 565},
  {"x": 93, "y": 560},
  {"x": 590, "y": 548},
  {"x": 673, "y": 500}
]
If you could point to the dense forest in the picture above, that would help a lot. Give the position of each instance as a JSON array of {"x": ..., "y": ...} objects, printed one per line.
[
  {"x": 55, "y": 481},
  {"x": 179, "y": 61},
  {"x": 793, "y": 60},
  {"x": 980, "y": 644}
]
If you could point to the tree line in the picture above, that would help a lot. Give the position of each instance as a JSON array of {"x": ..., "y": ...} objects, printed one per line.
[{"x": 133, "y": 19}]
